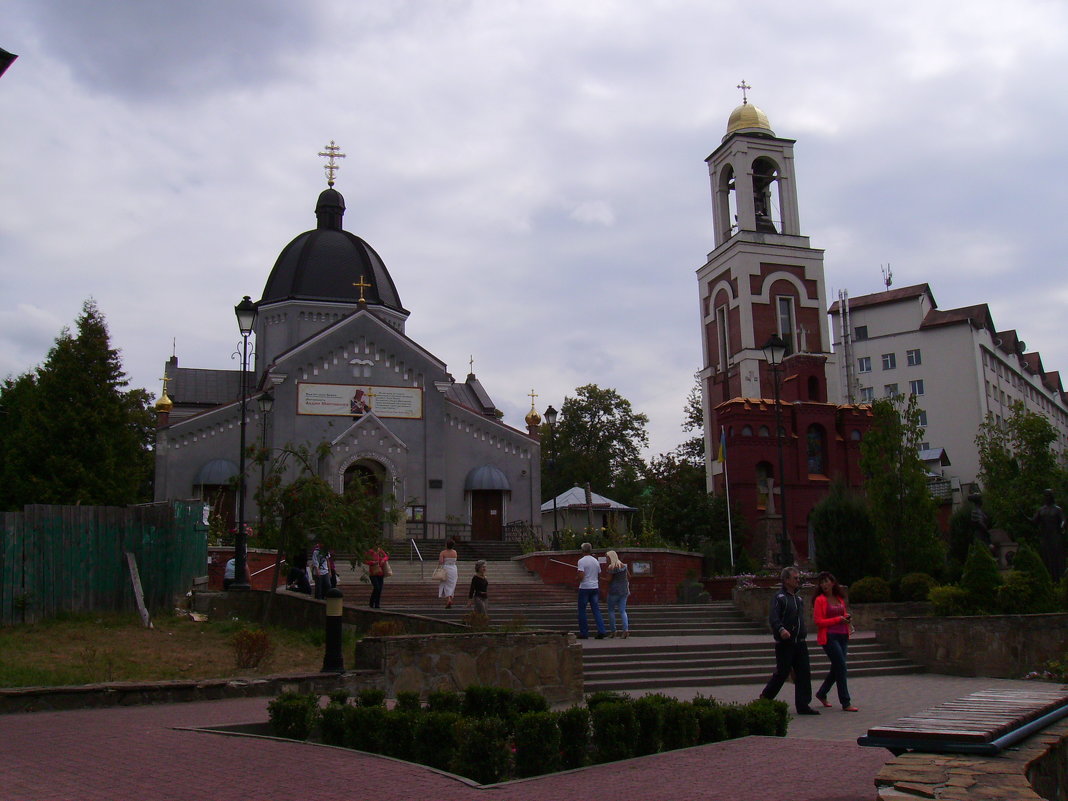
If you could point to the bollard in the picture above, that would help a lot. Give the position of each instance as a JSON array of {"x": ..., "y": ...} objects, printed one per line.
[{"x": 333, "y": 660}]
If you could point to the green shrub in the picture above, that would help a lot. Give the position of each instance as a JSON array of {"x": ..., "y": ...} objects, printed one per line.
[
  {"x": 482, "y": 753},
  {"x": 1029, "y": 563},
  {"x": 681, "y": 728},
  {"x": 736, "y": 721},
  {"x": 339, "y": 696},
  {"x": 537, "y": 744},
  {"x": 649, "y": 712},
  {"x": 951, "y": 600},
  {"x": 364, "y": 727},
  {"x": 490, "y": 702},
  {"x": 332, "y": 723},
  {"x": 409, "y": 701},
  {"x": 574, "y": 724},
  {"x": 767, "y": 717},
  {"x": 370, "y": 697},
  {"x": 916, "y": 587},
  {"x": 293, "y": 715},
  {"x": 869, "y": 590},
  {"x": 444, "y": 701},
  {"x": 981, "y": 577},
  {"x": 398, "y": 733},
  {"x": 434, "y": 741},
  {"x": 711, "y": 723},
  {"x": 529, "y": 701},
  {"x": 593, "y": 700},
  {"x": 615, "y": 729}
]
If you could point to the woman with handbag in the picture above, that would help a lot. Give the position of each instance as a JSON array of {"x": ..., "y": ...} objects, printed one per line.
[
  {"x": 446, "y": 573},
  {"x": 833, "y": 623},
  {"x": 377, "y": 561}
]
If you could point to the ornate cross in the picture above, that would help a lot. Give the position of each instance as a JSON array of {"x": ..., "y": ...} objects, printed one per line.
[
  {"x": 331, "y": 166},
  {"x": 533, "y": 395},
  {"x": 362, "y": 285},
  {"x": 166, "y": 380},
  {"x": 743, "y": 86}
]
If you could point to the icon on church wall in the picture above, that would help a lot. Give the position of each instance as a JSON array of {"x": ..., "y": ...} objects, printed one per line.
[{"x": 360, "y": 403}]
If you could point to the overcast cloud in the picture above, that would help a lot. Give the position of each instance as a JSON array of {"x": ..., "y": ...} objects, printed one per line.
[{"x": 531, "y": 172}]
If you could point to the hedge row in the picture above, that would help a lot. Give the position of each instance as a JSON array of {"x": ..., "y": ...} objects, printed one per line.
[{"x": 491, "y": 734}]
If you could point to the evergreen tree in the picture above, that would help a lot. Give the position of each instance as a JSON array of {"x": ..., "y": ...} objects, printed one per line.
[
  {"x": 899, "y": 501},
  {"x": 846, "y": 544},
  {"x": 76, "y": 435}
]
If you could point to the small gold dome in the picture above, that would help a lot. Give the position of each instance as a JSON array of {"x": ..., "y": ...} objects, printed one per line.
[
  {"x": 164, "y": 404},
  {"x": 748, "y": 118},
  {"x": 533, "y": 418}
]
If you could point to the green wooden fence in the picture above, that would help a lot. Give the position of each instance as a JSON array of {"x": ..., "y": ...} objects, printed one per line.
[{"x": 72, "y": 558}]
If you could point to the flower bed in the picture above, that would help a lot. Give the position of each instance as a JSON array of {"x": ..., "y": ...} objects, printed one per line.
[{"x": 493, "y": 734}]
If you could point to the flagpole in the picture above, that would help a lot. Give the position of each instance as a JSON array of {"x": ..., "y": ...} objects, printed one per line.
[{"x": 727, "y": 489}]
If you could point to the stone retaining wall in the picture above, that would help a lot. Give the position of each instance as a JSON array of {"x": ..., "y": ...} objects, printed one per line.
[
  {"x": 1032, "y": 770},
  {"x": 998, "y": 646},
  {"x": 753, "y": 602},
  {"x": 546, "y": 662}
]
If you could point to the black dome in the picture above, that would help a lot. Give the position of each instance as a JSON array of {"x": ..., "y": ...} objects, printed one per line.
[{"x": 326, "y": 263}]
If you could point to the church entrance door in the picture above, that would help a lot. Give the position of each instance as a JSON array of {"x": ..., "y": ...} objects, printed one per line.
[{"x": 486, "y": 513}]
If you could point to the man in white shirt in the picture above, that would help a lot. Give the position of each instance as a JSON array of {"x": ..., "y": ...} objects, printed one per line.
[{"x": 589, "y": 570}]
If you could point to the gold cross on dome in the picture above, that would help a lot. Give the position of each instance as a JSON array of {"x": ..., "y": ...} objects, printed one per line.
[
  {"x": 166, "y": 380},
  {"x": 331, "y": 167},
  {"x": 362, "y": 284},
  {"x": 533, "y": 395},
  {"x": 743, "y": 86},
  {"x": 371, "y": 395}
]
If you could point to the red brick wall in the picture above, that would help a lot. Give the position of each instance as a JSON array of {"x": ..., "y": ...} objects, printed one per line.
[
  {"x": 669, "y": 568},
  {"x": 257, "y": 561}
]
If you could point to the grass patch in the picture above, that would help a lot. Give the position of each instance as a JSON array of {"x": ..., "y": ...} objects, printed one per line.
[{"x": 85, "y": 649}]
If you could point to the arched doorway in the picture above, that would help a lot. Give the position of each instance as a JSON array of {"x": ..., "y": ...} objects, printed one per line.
[
  {"x": 488, "y": 487},
  {"x": 372, "y": 477}
]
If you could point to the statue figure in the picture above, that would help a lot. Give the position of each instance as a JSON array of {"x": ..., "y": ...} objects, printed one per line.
[
  {"x": 980, "y": 519},
  {"x": 1050, "y": 522}
]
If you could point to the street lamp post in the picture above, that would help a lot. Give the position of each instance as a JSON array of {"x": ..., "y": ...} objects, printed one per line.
[
  {"x": 774, "y": 351},
  {"x": 550, "y": 418},
  {"x": 266, "y": 403},
  {"x": 246, "y": 318}
]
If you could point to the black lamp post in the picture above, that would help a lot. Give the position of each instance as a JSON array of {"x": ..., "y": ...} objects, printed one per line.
[
  {"x": 550, "y": 418},
  {"x": 774, "y": 351},
  {"x": 266, "y": 403},
  {"x": 246, "y": 318}
]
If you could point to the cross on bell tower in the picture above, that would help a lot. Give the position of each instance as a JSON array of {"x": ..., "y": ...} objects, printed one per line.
[{"x": 331, "y": 153}]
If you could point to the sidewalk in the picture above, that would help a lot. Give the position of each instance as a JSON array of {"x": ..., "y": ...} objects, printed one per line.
[{"x": 136, "y": 753}]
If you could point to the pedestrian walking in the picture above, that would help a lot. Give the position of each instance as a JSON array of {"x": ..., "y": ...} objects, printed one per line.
[
  {"x": 786, "y": 618},
  {"x": 833, "y": 623},
  {"x": 618, "y": 590},
  {"x": 589, "y": 571}
]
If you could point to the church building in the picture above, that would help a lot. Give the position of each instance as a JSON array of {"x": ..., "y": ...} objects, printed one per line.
[
  {"x": 775, "y": 435},
  {"x": 333, "y": 365}
]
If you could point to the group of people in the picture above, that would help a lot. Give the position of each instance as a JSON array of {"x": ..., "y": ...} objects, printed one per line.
[
  {"x": 589, "y": 577},
  {"x": 448, "y": 575}
]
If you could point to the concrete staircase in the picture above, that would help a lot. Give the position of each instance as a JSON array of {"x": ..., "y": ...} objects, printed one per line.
[{"x": 638, "y": 667}]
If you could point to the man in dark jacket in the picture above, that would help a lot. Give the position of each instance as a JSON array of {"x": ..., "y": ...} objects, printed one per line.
[{"x": 787, "y": 621}]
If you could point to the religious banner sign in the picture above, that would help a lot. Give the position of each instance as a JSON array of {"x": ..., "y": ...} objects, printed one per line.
[{"x": 345, "y": 400}]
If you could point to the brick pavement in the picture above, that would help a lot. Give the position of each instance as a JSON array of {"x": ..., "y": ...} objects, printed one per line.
[{"x": 135, "y": 753}]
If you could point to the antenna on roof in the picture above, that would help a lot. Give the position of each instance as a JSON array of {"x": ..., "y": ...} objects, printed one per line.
[{"x": 888, "y": 275}]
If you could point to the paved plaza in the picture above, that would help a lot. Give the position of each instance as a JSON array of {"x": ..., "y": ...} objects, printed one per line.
[{"x": 143, "y": 753}]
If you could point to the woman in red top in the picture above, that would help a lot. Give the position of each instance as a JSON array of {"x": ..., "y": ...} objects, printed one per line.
[
  {"x": 832, "y": 632},
  {"x": 377, "y": 561}
]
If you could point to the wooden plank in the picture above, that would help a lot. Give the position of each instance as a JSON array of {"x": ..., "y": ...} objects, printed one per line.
[{"x": 135, "y": 581}]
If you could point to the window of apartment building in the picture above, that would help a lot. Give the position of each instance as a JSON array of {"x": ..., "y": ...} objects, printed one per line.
[
  {"x": 987, "y": 388},
  {"x": 890, "y": 390},
  {"x": 925, "y": 446},
  {"x": 916, "y": 387},
  {"x": 864, "y": 363},
  {"x": 867, "y": 394},
  {"x": 784, "y": 307},
  {"x": 913, "y": 357},
  {"x": 889, "y": 361},
  {"x": 860, "y": 332},
  {"x": 921, "y": 417}
]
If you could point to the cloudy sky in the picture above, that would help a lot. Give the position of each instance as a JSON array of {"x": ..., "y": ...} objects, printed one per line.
[{"x": 531, "y": 172}]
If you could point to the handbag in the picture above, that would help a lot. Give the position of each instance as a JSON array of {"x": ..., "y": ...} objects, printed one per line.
[
  {"x": 386, "y": 569},
  {"x": 438, "y": 574}
]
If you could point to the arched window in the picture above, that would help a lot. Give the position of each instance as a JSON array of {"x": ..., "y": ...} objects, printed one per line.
[
  {"x": 747, "y": 431},
  {"x": 766, "y": 195},
  {"x": 763, "y": 431},
  {"x": 814, "y": 389},
  {"x": 817, "y": 449},
  {"x": 855, "y": 435}
]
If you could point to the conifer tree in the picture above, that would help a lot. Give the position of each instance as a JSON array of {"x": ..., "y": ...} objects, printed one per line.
[{"x": 78, "y": 435}]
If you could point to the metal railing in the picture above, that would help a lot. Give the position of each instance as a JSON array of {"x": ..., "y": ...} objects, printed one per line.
[{"x": 414, "y": 549}]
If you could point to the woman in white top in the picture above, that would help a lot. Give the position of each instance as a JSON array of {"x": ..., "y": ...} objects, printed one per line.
[{"x": 447, "y": 561}]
